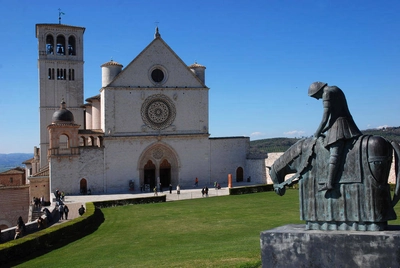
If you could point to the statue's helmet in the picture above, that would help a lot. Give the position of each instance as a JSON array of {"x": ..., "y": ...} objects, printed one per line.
[{"x": 315, "y": 87}]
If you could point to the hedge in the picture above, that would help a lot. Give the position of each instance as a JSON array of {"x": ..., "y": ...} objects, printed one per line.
[
  {"x": 251, "y": 189},
  {"x": 59, "y": 235}
]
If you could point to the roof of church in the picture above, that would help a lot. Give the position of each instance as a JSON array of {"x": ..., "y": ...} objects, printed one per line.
[
  {"x": 111, "y": 63},
  {"x": 97, "y": 97},
  {"x": 63, "y": 115},
  {"x": 157, "y": 38},
  {"x": 57, "y": 25},
  {"x": 42, "y": 173},
  {"x": 196, "y": 65},
  {"x": 90, "y": 131}
]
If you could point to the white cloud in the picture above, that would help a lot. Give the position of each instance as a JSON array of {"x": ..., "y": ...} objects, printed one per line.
[
  {"x": 384, "y": 126},
  {"x": 295, "y": 133},
  {"x": 256, "y": 134}
]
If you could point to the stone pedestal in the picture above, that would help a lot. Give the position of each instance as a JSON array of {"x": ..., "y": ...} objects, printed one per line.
[{"x": 293, "y": 246}]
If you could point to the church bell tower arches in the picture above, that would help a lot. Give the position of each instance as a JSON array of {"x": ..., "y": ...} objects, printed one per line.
[{"x": 166, "y": 166}]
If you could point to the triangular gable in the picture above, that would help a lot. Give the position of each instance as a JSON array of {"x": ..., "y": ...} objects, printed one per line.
[{"x": 157, "y": 53}]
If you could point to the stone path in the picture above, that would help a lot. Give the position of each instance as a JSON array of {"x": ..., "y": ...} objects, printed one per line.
[{"x": 74, "y": 202}]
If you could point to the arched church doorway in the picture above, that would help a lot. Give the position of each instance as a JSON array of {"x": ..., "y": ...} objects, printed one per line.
[
  {"x": 149, "y": 176},
  {"x": 165, "y": 173},
  {"x": 83, "y": 186},
  {"x": 239, "y": 174},
  {"x": 158, "y": 164}
]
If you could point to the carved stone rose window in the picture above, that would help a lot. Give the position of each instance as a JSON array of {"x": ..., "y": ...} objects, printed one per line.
[{"x": 158, "y": 111}]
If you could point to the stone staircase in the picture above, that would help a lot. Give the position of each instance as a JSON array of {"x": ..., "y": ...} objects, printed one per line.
[{"x": 36, "y": 212}]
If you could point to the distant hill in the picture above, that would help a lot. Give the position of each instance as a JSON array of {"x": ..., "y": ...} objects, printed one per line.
[
  {"x": 273, "y": 145},
  {"x": 9, "y": 161}
]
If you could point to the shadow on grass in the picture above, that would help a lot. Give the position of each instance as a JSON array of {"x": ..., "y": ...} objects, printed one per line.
[{"x": 68, "y": 237}]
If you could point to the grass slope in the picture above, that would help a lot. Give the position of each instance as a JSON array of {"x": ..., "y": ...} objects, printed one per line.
[{"x": 208, "y": 232}]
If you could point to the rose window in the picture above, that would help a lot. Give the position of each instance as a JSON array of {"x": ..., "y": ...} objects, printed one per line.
[{"x": 158, "y": 111}]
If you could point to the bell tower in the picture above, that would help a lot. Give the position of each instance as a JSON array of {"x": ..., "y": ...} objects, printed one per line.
[{"x": 60, "y": 64}]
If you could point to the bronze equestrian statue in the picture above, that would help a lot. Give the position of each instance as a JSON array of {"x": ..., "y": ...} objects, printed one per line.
[{"x": 342, "y": 175}]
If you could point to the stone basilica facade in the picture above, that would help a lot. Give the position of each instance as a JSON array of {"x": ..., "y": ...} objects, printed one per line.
[{"x": 148, "y": 125}]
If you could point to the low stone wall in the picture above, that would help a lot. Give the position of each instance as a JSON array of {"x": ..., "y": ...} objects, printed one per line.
[
  {"x": 30, "y": 228},
  {"x": 9, "y": 233}
]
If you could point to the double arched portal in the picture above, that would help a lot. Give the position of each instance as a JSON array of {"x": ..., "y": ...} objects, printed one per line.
[{"x": 158, "y": 164}]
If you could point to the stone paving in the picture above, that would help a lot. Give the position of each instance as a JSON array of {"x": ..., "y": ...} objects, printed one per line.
[{"x": 74, "y": 202}]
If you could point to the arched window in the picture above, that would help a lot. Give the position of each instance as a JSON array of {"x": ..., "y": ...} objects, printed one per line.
[
  {"x": 71, "y": 46},
  {"x": 100, "y": 139},
  {"x": 61, "y": 74},
  {"x": 60, "y": 49},
  {"x": 63, "y": 142},
  {"x": 82, "y": 141},
  {"x": 71, "y": 74},
  {"x": 49, "y": 44},
  {"x": 51, "y": 74}
]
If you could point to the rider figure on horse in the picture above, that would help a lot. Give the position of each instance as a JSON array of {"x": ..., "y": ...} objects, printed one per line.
[{"x": 337, "y": 122}]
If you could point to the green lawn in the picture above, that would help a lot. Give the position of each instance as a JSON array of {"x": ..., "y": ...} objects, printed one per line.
[{"x": 208, "y": 232}]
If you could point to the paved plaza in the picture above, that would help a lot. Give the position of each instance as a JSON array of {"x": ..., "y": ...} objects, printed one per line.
[{"x": 74, "y": 202}]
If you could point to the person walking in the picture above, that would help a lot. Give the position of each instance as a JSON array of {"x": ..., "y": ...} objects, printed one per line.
[
  {"x": 81, "y": 210},
  {"x": 61, "y": 211},
  {"x": 170, "y": 188},
  {"x": 20, "y": 228},
  {"x": 66, "y": 210},
  {"x": 155, "y": 191}
]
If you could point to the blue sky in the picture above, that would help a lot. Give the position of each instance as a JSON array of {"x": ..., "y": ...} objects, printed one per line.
[{"x": 261, "y": 56}]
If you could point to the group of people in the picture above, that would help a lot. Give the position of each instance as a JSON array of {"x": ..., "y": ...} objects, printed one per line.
[
  {"x": 38, "y": 202},
  {"x": 59, "y": 195},
  {"x": 63, "y": 210},
  {"x": 160, "y": 189}
]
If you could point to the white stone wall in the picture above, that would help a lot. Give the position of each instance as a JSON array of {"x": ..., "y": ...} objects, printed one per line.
[
  {"x": 122, "y": 111},
  {"x": 257, "y": 170},
  {"x": 228, "y": 154},
  {"x": 272, "y": 157},
  {"x": 194, "y": 158},
  {"x": 96, "y": 114},
  {"x": 67, "y": 171},
  {"x": 123, "y": 155},
  {"x": 88, "y": 116}
]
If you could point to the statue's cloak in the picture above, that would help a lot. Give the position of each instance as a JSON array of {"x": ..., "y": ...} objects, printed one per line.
[{"x": 359, "y": 195}]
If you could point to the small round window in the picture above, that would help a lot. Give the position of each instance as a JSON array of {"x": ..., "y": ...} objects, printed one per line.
[{"x": 157, "y": 75}]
